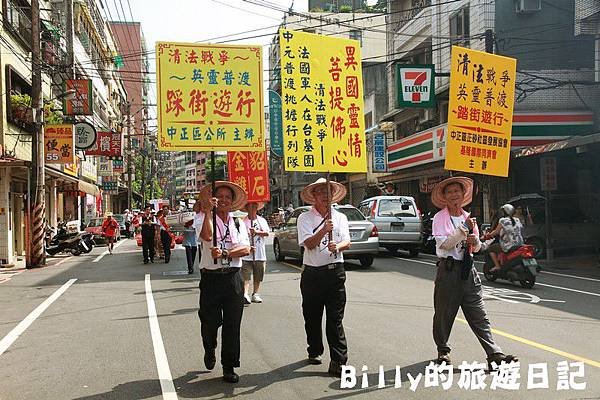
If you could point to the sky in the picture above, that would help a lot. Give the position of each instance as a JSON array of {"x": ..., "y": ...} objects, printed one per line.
[{"x": 203, "y": 21}]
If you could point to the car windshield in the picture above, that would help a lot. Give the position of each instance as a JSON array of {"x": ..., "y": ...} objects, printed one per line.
[
  {"x": 396, "y": 208},
  {"x": 351, "y": 213},
  {"x": 120, "y": 218},
  {"x": 94, "y": 223}
]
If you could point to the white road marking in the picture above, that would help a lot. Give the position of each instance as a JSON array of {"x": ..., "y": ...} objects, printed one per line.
[
  {"x": 537, "y": 283},
  {"x": 162, "y": 364},
  {"x": 23, "y": 325},
  {"x": 570, "y": 276},
  {"x": 106, "y": 251}
]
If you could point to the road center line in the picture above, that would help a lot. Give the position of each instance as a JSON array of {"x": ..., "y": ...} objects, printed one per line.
[
  {"x": 570, "y": 276},
  {"x": 160, "y": 355},
  {"x": 106, "y": 251},
  {"x": 23, "y": 325}
]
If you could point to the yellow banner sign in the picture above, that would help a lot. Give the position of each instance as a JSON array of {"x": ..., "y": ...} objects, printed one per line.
[
  {"x": 480, "y": 112},
  {"x": 59, "y": 144},
  {"x": 210, "y": 97},
  {"x": 322, "y": 103}
]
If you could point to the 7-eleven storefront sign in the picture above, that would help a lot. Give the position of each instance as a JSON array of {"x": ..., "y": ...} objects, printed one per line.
[
  {"x": 415, "y": 85},
  {"x": 529, "y": 129}
]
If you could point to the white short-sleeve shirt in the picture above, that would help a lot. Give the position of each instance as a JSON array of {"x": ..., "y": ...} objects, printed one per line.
[
  {"x": 228, "y": 237},
  {"x": 309, "y": 223},
  {"x": 197, "y": 224},
  {"x": 260, "y": 224}
]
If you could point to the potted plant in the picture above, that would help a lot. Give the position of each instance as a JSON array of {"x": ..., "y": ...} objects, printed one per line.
[
  {"x": 20, "y": 104},
  {"x": 52, "y": 116}
]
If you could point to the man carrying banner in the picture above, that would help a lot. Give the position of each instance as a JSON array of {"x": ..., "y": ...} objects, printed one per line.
[
  {"x": 324, "y": 234},
  {"x": 221, "y": 283},
  {"x": 255, "y": 263}
]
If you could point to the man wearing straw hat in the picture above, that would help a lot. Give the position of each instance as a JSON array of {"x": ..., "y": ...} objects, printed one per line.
[
  {"x": 324, "y": 234},
  {"x": 457, "y": 283},
  {"x": 221, "y": 283},
  {"x": 255, "y": 263}
]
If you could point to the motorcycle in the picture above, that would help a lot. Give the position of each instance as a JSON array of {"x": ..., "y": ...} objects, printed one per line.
[
  {"x": 74, "y": 243},
  {"x": 517, "y": 265}
]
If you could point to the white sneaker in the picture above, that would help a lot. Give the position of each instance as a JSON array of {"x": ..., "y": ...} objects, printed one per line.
[
  {"x": 256, "y": 298},
  {"x": 247, "y": 299}
]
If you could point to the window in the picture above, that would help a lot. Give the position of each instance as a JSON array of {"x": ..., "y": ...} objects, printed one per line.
[
  {"x": 356, "y": 34},
  {"x": 460, "y": 27},
  {"x": 396, "y": 208},
  {"x": 18, "y": 104},
  {"x": 351, "y": 213},
  {"x": 17, "y": 20}
]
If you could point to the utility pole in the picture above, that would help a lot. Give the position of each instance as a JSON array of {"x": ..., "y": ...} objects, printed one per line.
[
  {"x": 37, "y": 256},
  {"x": 69, "y": 38},
  {"x": 129, "y": 166}
]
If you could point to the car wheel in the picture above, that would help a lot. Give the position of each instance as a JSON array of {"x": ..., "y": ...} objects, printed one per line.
[
  {"x": 539, "y": 246},
  {"x": 413, "y": 252},
  {"x": 366, "y": 261},
  {"x": 490, "y": 277},
  {"x": 277, "y": 250}
]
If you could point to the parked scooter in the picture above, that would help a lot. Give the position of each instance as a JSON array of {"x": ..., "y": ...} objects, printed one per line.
[
  {"x": 517, "y": 265},
  {"x": 65, "y": 242}
]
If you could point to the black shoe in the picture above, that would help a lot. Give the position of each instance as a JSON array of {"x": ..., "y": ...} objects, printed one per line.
[
  {"x": 145, "y": 261},
  {"x": 230, "y": 376},
  {"x": 152, "y": 260},
  {"x": 335, "y": 369},
  {"x": 443, "y": 356},
  {"x": 496, "y": 359},
  {"x": 210, "y": 360},
  {"x": 315, "y": 360}
]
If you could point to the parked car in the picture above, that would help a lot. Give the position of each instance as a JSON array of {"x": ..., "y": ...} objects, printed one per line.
[
  {"x": 94, "y": 226},
  {"x": 122, "y": 228},
  {"x": 363, "y": 236},
  {"x": 398, "y": 221}
]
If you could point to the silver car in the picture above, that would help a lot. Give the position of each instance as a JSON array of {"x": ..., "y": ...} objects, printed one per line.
[
  {"x": 363, "y": 236},
  {"x": 398, "y": 221}
]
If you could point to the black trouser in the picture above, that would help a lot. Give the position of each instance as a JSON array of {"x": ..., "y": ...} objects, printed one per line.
[
  {"x": 222, "y": 303},
  {"x": 190, "y": 255},
  {"x": 148, "y": 247},
  {"x": 165, "y": 239},
  {"x": 451, "y": 293},
  {"x": 325, "y": 288}
]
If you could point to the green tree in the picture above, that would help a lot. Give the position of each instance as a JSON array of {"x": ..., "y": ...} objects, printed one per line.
[{"x": 220, "y": 166}]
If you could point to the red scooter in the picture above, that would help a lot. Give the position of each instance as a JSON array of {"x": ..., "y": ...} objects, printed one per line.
[{"x": 518, "y": 264}]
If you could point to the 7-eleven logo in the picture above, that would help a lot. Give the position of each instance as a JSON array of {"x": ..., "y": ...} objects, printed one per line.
[{"x": 417, "y": 84}]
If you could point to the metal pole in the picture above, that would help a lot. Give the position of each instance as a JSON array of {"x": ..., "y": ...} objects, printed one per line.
[
  {"x": 37, "y": 257},
  {"x": 213, "y": 191},
  {"x": 329, "y": 216},
  {"x": 129, "y": 166},
  {"x": 282, "y": 194},
  {"x": 548, "y": 215},
  {"x": 69, "y": 37}
]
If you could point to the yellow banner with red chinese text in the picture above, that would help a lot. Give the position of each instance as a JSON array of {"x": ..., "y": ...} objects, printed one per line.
[
  {"x": 480, "y": 112},
  {"x": 59, "y": 144},
  {"x": 322, "y": 103},
  {"x": 209, "y": 97}
]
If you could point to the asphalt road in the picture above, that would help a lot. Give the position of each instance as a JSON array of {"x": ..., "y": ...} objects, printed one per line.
[{"x": 84, "y": 328}]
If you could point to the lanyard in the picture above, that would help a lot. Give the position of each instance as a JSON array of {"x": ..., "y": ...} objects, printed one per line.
[{"x": 224, "y": 236}]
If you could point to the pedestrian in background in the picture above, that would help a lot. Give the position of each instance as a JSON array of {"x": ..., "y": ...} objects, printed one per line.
[
  {"x": 254, "y": 264},
  {"x": 323, "y": 278},
  {"x": 457, "y": 283},
  {"x": 221, "y": 283},
  {"x": 190, "y": 243},
  {"x": 165, "y": 233},
  {"x": 110, "y": 227},
  {"x": 148, "y": 228},
  {"x": 157, "y": 240}
]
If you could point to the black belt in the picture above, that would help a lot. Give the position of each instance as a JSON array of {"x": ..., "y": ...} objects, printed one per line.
[
  {"x": 222, "y": 271},
  {"x": 326, "y": 267}
]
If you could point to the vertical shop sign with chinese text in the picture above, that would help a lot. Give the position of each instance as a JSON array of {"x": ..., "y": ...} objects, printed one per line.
[
  {"x": 59, "y": 144},
  {"x": 322, "y": 103},
  {"x": 81, "y": 102},
  {"x": 275, "y": 126},
  {"x": 480, "y": 112},
  {"x": 249, "y": 170},
  {"x": 210, "y": 97},
  {"x": 379, "y": 160}
]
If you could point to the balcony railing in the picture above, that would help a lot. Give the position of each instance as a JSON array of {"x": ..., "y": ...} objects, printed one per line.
[
  {"x": 18, "y": 21},
  {"x": 404, "y": 17}
]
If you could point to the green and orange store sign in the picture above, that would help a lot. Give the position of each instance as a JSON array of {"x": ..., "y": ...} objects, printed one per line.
[{"x": 529, "y": 129}]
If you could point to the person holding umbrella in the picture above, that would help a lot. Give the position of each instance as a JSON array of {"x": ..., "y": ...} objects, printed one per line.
[
  {"x": 221, "y": 284},
  {"x": 255, "y": 264},
  {"x": 324, "y": 234},
  {"x": 457, "y": 283}
]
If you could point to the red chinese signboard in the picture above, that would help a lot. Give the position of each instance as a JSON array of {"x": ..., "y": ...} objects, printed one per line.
[
  {"x": 249, "y": 170},
  {"x": 108, "y": 144},
  {"x": 81, "y": 103}
]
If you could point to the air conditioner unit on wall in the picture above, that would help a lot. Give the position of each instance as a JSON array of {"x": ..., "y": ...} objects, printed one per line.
[{"x": 527, "y": 6}]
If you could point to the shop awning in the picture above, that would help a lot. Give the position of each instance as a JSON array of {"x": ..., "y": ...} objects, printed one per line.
[
  {"x": 576, "y": 141},
  {"x": 88, "y": 188}
]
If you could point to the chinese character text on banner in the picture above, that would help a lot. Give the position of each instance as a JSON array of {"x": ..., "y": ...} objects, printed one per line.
[
  {"x": 108, "y": 144},
  {"x": 480, "y": 113},
  {"x": 59, "y": 144},
  {"x": 249, "y": 170},
  {"x": 210, "y": 97},
  {"x": 322, "y": 96}
]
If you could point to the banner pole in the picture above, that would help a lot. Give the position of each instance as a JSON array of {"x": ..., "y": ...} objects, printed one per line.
[
  {"x": 213, "y": 191},
  {"x": 329, "y": 216}
]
